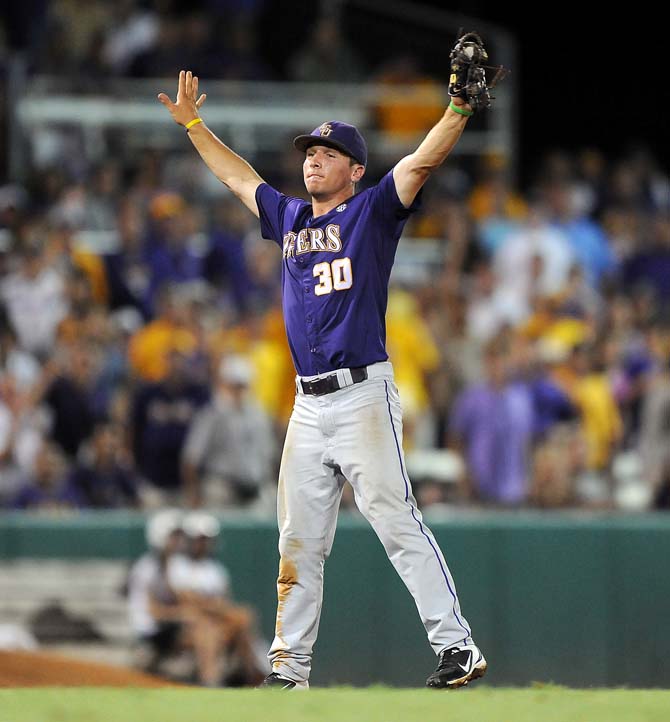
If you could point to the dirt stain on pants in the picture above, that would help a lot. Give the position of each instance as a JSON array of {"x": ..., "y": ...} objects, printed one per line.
[{"x": 287, "y": 579}]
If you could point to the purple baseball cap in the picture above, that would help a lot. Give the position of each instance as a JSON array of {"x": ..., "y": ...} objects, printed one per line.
[{"x": 338, "y": 135}]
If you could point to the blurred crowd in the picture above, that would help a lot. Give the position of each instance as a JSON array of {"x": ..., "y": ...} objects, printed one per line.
[
  {"x": 94, "y": 41},
  {"x": 143, "y": 360}
]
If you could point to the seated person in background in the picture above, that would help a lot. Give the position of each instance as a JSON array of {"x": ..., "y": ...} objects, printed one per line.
[
  {"x": 202, "y": 585},
  {"x": 149, "y": 593}
]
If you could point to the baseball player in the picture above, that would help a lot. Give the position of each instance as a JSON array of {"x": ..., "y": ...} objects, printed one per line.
[{"x": 338, "y": 252}]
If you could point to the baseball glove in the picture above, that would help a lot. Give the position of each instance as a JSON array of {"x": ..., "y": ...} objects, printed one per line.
[{"x": 468, "y": 72}]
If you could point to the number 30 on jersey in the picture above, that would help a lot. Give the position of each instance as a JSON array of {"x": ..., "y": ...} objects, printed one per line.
[{"x": 334, "y": 276}]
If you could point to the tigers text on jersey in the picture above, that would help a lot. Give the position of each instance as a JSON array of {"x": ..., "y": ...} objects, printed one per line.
[{"x": 335, "y": 273}]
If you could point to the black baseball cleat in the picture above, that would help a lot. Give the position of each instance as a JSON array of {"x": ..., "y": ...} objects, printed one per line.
[
  {"x": 277, "y": 681},
  {"x": 457, "y": 666}
]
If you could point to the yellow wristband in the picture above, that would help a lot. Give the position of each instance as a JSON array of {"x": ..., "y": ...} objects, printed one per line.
[
  {"x": 461, "y": 111},
  {"x": 193, "y": 122}
]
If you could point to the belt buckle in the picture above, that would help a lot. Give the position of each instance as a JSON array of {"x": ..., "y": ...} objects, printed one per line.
[
  {"x": 320, "y": 387},
  {"x": 323, "y": 386},
  {"x": 326, "y": 385},
  {"x": 310, "y": 388}
]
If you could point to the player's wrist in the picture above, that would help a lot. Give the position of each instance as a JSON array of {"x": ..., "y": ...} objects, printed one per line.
[
  {"x": 192, "y": 123},
  {"x": 461, "y": 107}
]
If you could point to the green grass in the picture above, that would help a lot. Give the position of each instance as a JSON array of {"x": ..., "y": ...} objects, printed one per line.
[{"x": 377, "y": 704}]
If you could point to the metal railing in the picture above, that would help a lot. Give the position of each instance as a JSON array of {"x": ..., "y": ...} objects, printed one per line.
[
  {"x": 252, "y": 117},
  {"x": 256, "y": 118}
]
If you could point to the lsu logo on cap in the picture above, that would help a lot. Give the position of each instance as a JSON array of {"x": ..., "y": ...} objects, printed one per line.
[{"x": 325, "y": 130}]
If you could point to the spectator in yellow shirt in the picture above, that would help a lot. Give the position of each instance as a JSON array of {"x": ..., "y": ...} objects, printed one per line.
[
  {"x": 410, "y": 102},
  {"x": 262, "y": 338},
  {"x": 171, "y": 330},
  {"x": 414, "y": 354},
  {"x": 601, "y": 419}
]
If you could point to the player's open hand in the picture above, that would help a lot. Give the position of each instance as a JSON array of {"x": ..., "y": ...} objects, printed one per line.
[{"x": 188, "y": 102}]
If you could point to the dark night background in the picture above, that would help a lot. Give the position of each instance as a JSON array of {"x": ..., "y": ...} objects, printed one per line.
[{"x": 587, "y": 76}]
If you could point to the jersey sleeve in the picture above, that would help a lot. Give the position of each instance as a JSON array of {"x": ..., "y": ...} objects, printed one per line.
[
  {"x": 276, "y": 212},
  {"x": 388, "y": 206}
]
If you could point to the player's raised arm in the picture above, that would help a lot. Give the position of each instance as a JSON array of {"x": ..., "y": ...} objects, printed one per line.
[
  {"x": 232, "y": 170},
  {"x": 413, "y": 170},
  {"x": 468, "y": 90}
]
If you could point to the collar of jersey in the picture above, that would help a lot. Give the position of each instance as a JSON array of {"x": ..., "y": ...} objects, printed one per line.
[{"x": 311, "y": 219}]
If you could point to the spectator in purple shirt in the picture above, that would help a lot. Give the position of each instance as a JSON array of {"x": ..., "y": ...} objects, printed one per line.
[
  {"x": 172, "y": 249},
  {"x": 492, "y": 422},
  {"x": 70, "y": 395},
  {"x": 160, "y": 419},
  {"x": 225, "y": 263},
  {"x": 48, "y": 486},
  {"x": 649, "y": 264},
  {"x": 103, "y": 476}
]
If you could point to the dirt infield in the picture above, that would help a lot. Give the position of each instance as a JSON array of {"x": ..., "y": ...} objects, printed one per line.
[{"x": 42, "y": 669}]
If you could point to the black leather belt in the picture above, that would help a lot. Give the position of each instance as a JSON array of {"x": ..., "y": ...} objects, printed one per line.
[{"x": 327, "y": 385}]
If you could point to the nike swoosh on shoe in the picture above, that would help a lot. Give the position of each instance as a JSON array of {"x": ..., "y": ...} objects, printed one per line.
[{"x": 466, "y": 667}]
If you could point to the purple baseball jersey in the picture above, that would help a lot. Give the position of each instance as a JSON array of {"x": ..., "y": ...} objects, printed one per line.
[{"x": 335, "y": 273}]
